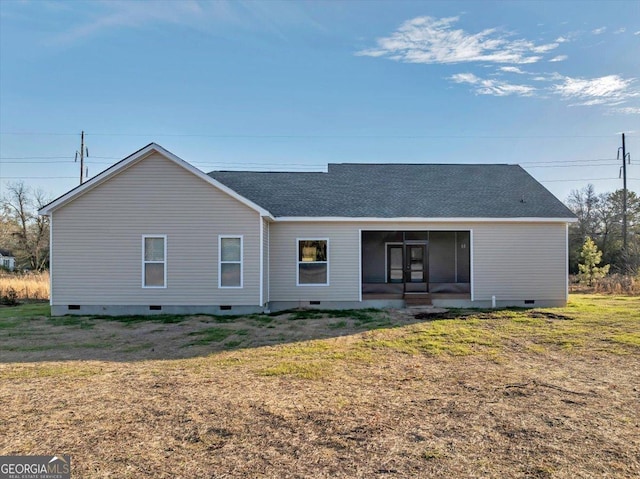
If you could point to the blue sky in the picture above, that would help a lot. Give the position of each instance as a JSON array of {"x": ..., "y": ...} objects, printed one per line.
[{"x": 296, "y": 85}]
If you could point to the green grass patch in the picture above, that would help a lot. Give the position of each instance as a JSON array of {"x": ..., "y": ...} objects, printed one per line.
[
  {"x": 141, "y": 318},
  {"x": 337, "y": 325},
  {"x": 302, "y": 370},
  {"x": 210, "y": 335},
  {"x": 630, "y": 339},
  {"x": 25, "y": 310},
  {"x": 59, "y": 346},
  {"x": 9, "y": 323},
  {"x": 81, "y": 322},
  {"x": 28, "y": 372}
]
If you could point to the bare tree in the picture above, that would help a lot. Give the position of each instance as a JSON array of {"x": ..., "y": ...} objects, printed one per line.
[{"x": 26, "y": 232}]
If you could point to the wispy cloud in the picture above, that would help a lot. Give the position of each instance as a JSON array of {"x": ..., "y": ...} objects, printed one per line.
[
  {"x": 204, "y": 16},
  {"x": 430, "y": 40},
  {"x": 637, "y": 33},
  {"x": 627, "y": 110},
  {"x": 123, "y": 14},
  {"x": 606, "y": 90},
  {"x": 492, "y": 87},
  {"x": 512, "y": 70},
  {"x": 620, "y": 30}
]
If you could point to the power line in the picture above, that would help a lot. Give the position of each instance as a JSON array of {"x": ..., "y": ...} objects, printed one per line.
[
  {"x": 568, "y": 166},
  {"x": 36, "y": 177},
  {"x": 568, "y": 161},
  {"x": 210, "y": 135},
  {"x": 67, "y": 157},
  {"x": 578, "y": 179}
]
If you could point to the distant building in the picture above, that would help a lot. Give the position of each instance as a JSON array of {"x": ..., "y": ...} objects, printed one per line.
[{"x": 7, "y": 260}]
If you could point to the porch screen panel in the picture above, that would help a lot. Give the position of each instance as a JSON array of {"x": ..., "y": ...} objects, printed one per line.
[{"x": 442, "y": 257}]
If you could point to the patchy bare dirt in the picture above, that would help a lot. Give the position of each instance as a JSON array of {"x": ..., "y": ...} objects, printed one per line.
[{"x": 511, "y": 396}]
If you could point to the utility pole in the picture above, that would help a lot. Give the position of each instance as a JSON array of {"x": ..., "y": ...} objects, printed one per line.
[
  {"x": 626, "y": 159},
  {"x": 624, "y": 195},
  {"x": 83, "y": 150}
]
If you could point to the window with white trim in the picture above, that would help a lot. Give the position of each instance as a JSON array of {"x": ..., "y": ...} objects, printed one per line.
[
  {"x": 154, "y": 261},
  {"x": 230, "y": 265},
  {"x": 313, "y": 262}
]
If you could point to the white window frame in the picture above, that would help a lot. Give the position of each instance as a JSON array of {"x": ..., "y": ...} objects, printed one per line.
[
  {"x": 298, "y": 262},
  {"x": 220, "y": 262},
  {"x": 164, "y": 262}
]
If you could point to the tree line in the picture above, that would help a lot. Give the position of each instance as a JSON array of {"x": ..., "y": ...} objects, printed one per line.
[
  {"x": 600, "y": 217},
  {"x": 22, "y": 230}
]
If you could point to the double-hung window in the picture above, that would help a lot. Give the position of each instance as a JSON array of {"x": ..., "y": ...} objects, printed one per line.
[
  {"x": 154, "y": 261},
  {"x": 230, "y": 261},
  {"x": 313, "y": 262}
]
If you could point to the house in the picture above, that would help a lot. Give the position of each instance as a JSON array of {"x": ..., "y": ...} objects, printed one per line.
[
  {"x": 7, "y": 260},
  {"x": 359, "y": 235}
]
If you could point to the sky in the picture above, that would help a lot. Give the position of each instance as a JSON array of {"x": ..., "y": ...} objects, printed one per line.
[{"x": 292, "y": 86}]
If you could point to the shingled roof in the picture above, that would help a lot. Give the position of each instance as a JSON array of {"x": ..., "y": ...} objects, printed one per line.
[{"x": 399, "y": 191}]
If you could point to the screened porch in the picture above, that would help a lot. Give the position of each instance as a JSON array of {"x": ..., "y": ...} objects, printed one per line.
[{"x": 402, "y": 264}]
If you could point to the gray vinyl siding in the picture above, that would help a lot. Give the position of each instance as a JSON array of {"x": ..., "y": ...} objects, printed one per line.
[
  {"x": 97, "y": 240},
  {"x": 513, "y": 261}
]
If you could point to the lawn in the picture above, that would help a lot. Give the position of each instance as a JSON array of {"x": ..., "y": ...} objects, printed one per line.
[{"x": 544, "y": 393}]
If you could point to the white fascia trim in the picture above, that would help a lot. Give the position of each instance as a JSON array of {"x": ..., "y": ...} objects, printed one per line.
[
  {"x": 125, "y": 163},
  {"x": 360, "y": 265},
  {"x": 471, "y": 268},
  {"x": 566, "y": 260},
  {"x": 346, "y": 219},
  {"x": 50, "y": 260}
]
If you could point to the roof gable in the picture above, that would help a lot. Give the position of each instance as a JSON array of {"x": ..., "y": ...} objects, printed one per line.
[{"x": 134, "y": 158}]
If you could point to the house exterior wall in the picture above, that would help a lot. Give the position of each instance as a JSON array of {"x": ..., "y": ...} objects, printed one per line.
[
  {"x": 8, "y": 262},
  {"x": 512, "y": 261},
  {"x": 97, "y": 240}
]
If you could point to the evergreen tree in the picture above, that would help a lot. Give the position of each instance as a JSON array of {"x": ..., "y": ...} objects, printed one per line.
[{"x": 588, "y": 267}]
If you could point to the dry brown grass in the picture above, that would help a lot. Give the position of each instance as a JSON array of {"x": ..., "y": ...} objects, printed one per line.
[
  {"x": 543, "y": 394},
  {"x": 28, "y": 286},
  {"x": 615, "y": 284}
]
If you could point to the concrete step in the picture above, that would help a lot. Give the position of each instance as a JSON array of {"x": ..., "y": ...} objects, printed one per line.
[{"x": 417, "y": 299}]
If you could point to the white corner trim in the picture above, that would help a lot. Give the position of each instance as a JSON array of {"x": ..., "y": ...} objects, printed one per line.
[
  {"x": 261, "y": 246},
  {"x": 471, "y": 268},
  {"x": 220, "y": 238},
  {"x": 360, "y": 265},
  {"x": 566, "y": 260},
  {"x": 135, "y": 157},
  {"x": 343, "y": 219},
  {"x": 51, "y": 260}
]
